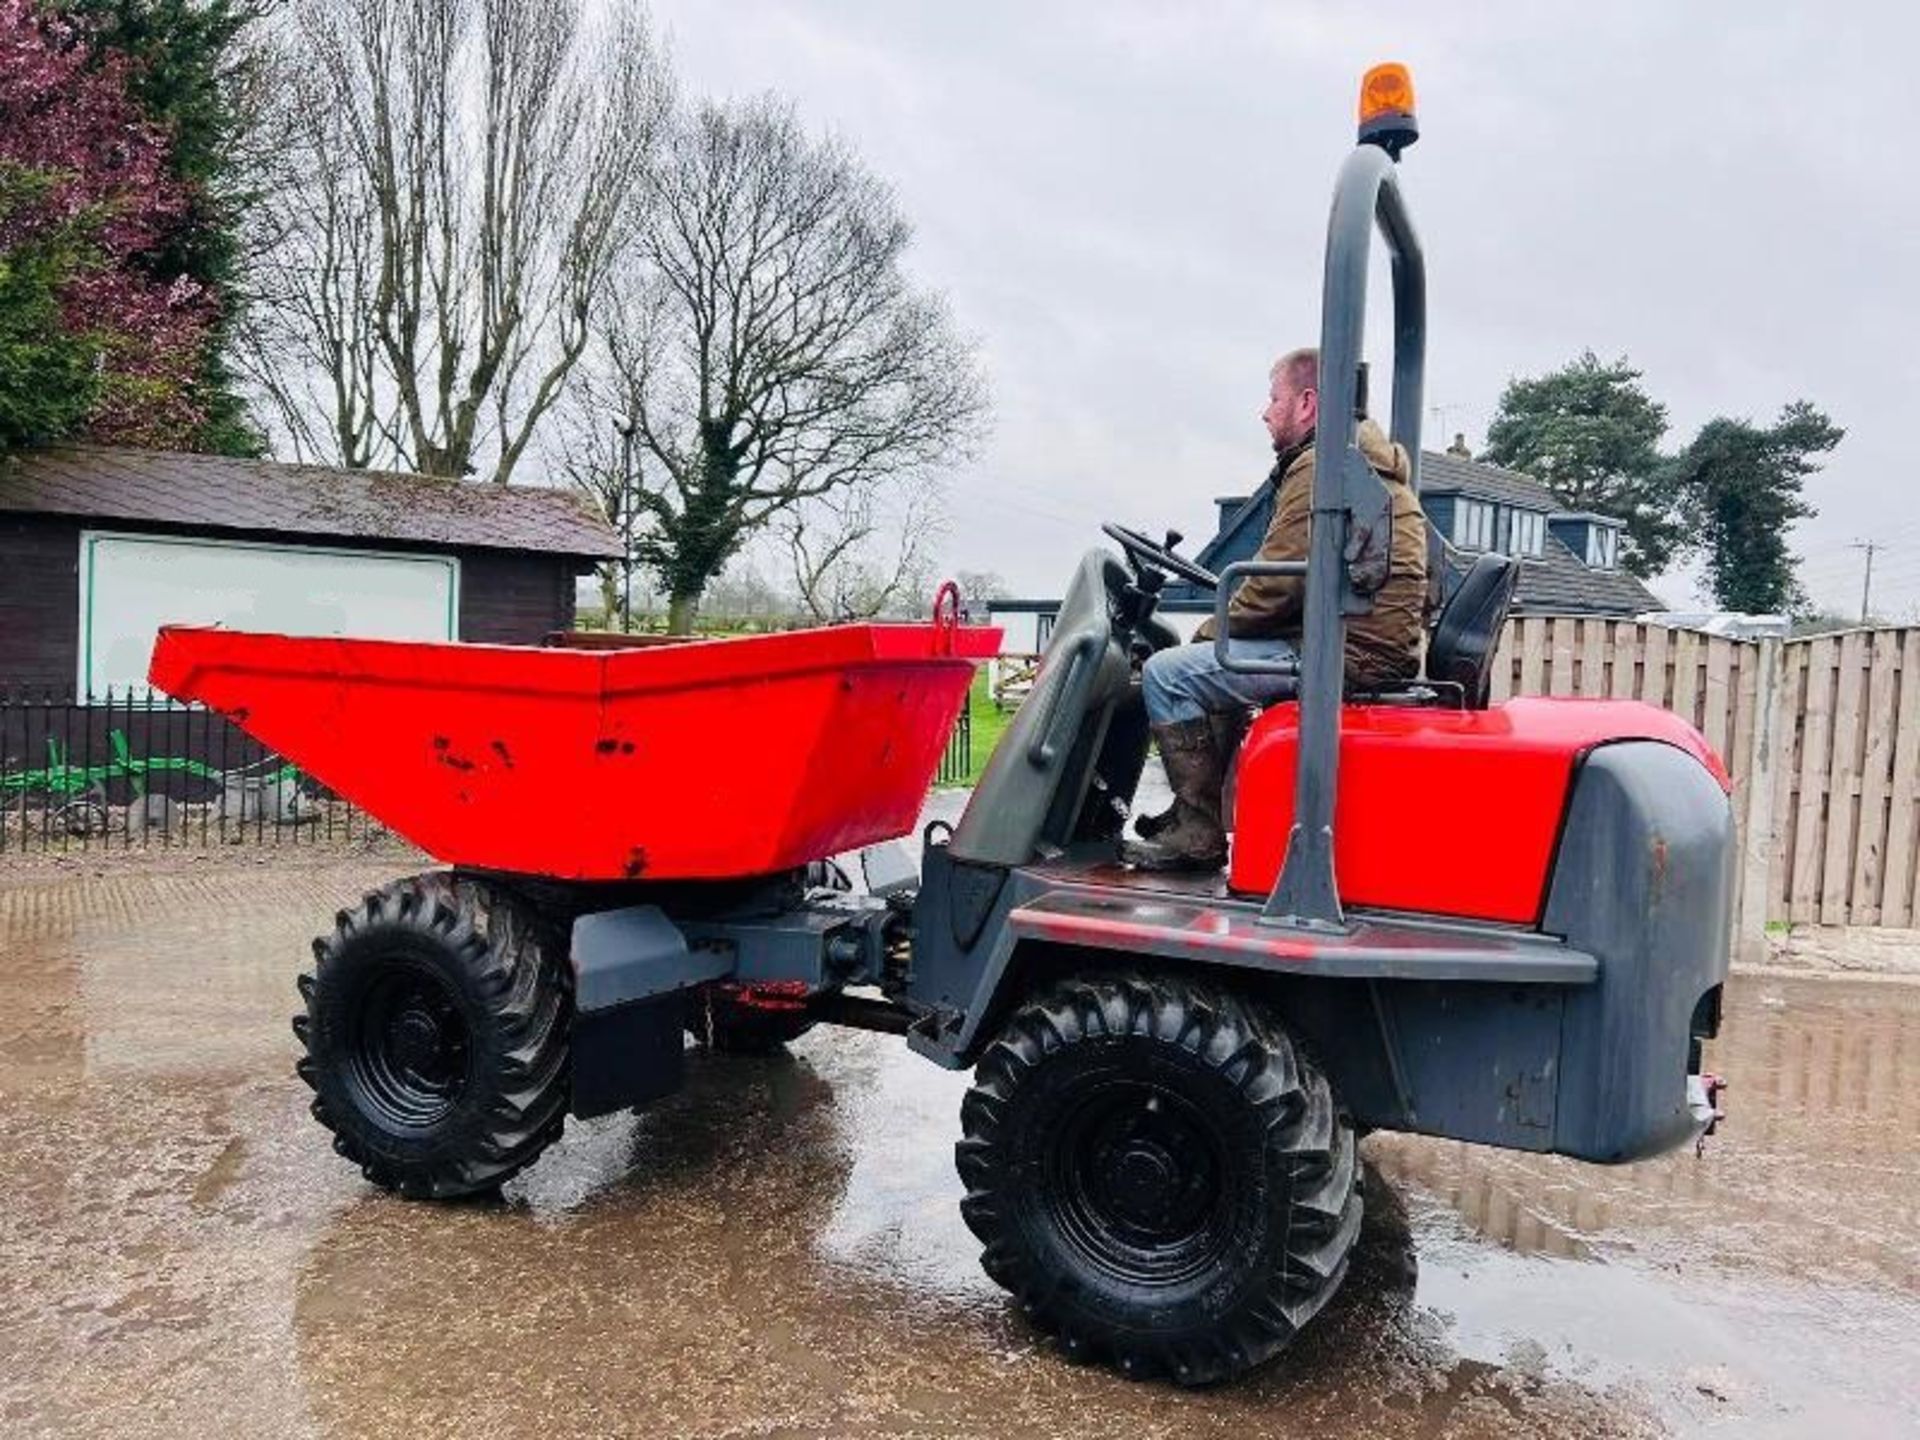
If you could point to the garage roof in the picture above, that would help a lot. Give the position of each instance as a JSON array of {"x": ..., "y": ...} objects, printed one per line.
[{"x": 212, "y": 492}]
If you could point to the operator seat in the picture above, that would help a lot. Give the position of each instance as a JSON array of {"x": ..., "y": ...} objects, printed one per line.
[{"x": 1468, "y": 629}]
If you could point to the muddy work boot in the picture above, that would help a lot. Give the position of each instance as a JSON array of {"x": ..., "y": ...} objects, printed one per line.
[
  {"x": 1194, "y": 841},
  {"x": 1229, "y": 729}
]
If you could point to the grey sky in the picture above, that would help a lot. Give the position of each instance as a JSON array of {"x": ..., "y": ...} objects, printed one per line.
[{"x": 1126, "y": 202}]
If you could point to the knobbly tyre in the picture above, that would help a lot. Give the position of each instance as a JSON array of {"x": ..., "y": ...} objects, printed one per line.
[{"x": 1524, "y": 945}]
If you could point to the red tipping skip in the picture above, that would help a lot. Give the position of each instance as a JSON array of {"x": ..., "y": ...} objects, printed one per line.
[{"x": 703, "y": 760}]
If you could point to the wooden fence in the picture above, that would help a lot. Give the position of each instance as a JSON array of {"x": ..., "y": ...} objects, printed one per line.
[{"x": 1822, "y": 737}]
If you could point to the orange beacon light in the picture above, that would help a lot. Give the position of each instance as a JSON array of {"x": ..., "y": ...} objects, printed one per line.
[{"x": 1386, "y": 108}]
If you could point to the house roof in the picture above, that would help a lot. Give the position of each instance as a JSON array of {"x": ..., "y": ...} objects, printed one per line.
[
  {"x": 1442, "y": 474},
  {"x": 1556, "y": 582},
  {"x": 1560, "y": 583},
  {"x": 216, "y": 492}
]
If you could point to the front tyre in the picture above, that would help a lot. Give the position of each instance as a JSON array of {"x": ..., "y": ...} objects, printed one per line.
[
  {"x": 1159, "y": 1175},
  {"x": 435, "y": 1029}
]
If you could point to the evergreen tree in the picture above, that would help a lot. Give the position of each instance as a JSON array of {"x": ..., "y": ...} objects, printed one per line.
[
  {"x": 1591, "y": 434},
  {"x": 193, "y": 72},
  {"x": 49, "y": 382},
  {"x": 1741, "y": 487},
  {"x": 98, "y": 341}
]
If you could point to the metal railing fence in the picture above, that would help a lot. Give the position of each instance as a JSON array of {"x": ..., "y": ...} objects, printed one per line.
[{"x": 135, "y": 770}]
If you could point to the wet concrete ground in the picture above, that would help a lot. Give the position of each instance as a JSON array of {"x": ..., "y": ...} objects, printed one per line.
[{"x": 777, "y": 1251}]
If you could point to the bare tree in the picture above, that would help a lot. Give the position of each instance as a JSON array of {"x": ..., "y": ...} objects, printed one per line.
[
  {"x": 770, "y": 349},
  {"x": 863, "y": 554},
  {"x": 311, "y": 341},
  {"x": 980, "y": 585},
  {"x": 460, "y": 179},
  {"x": 596, "y": 447}
]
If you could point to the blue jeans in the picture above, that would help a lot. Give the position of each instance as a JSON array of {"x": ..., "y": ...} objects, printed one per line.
[{"x": 1187, "y": 681}]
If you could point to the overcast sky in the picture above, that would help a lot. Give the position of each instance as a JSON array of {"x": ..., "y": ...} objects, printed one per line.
[{"x": 1126, "y": 203}]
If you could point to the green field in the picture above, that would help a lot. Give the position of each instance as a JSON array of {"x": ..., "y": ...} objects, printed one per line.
[{"x": 988, "y": 723}]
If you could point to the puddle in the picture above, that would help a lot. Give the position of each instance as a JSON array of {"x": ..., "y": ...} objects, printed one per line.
[{"x": 778, "y": 1250}]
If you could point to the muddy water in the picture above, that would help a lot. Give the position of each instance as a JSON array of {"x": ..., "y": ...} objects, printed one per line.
[{"x": 777, "y": 1250}]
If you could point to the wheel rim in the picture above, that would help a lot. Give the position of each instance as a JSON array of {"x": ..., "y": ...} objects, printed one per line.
[
  {"x": 1139, "y": 1184},
  {"x": 410, "y": 1064}
]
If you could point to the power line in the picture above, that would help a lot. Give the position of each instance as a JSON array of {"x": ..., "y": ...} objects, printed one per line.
[
  {"x": 1887, "y": 538},
  {"x": 1844, "y": 563}
]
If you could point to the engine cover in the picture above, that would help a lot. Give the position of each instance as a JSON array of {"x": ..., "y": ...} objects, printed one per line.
[{"x": 1446, "y": 812}]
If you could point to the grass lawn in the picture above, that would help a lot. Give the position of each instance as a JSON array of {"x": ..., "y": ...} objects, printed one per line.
[{"x": 988, "y": 722}]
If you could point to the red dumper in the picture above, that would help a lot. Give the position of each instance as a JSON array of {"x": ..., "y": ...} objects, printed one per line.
[{"x": 1505, "y": 923}]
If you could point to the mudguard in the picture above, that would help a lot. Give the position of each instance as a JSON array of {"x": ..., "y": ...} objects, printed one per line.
[{"x": 1644, "y": 882}]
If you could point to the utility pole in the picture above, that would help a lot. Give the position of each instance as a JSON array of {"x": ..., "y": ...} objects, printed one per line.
[{"x": 1866, "y": 588}]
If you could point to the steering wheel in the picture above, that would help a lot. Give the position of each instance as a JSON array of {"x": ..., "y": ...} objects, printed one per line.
[{"x": 1161, "y": 557}]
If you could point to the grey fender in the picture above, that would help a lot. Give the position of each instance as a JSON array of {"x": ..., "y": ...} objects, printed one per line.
[{"x": 1643, "y": 881}]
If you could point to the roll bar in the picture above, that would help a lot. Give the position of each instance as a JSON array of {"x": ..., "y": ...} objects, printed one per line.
[
  {"x": 1230, "y": 579},
  {"x": 1352, "y": 541}
]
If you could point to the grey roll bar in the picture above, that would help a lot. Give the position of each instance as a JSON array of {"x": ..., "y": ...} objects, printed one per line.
[
  {"x": 1223, "y": 598},
  {"x": 1352, "y": 519}
]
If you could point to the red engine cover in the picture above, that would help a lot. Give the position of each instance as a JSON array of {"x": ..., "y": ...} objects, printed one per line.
[{"x": 1448, "y": 812}]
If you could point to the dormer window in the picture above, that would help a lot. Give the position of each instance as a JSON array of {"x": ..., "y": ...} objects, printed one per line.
[
  {"x": 1473, "y": 524},
  {"x": 1603, "y": 547},
  {"x": 1526, "y": 533}
]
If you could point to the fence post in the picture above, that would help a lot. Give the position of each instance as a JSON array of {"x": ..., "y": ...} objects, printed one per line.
[{"x": 1757, "y": 822}]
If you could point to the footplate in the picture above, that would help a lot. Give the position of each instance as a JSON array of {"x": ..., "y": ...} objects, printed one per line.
[{"x": 1375, "y": 947}]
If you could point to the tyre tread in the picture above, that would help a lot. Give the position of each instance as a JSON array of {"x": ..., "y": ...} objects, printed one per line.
[
  {"x": 1311, "y": 1156},
  {"x": 520, "y": 975}
]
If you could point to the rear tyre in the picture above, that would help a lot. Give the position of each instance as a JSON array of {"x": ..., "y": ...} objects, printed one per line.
[
  {"x": 1159, "y": 1175},
  {"x": 435, "y": 1030}
]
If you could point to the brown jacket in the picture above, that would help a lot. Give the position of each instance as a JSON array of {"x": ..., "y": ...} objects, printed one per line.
[{"x": 1381, "y": 647}]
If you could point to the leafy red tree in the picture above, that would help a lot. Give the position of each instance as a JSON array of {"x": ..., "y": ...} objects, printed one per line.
[{"x": 67, "y": 120}]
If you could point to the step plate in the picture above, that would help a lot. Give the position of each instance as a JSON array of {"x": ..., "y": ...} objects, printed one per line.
[{"x": 1378, "y": 947}]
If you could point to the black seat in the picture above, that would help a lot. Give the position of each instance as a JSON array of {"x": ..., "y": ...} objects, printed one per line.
[{"x": 1467, "y": 632}]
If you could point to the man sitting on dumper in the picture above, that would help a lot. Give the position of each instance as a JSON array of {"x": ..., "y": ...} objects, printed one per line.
[{"x": 1198, "y": 709}]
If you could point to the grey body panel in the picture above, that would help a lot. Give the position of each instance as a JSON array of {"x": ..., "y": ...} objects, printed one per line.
[
  {"x": 832, "y": 939},
  {"x": 631, "y": 966},
  {"x": 1035, "y": 786},
  {"x": 961, "y": 949},
  {"x": 1576, "y": 1039},
  {"x": 1643, "y": 880},
  {"x": 889, "y": 868},
  {"x": 635, "y": 953}
]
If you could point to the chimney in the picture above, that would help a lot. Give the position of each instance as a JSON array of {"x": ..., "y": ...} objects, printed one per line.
[{"x": 1459, "y": 447}]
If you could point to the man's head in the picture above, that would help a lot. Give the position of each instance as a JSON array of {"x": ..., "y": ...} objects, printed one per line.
[{"x": 1293, "y": 399}]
